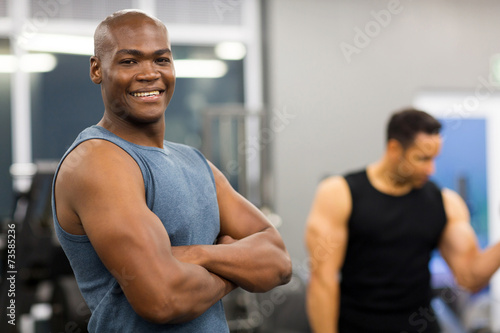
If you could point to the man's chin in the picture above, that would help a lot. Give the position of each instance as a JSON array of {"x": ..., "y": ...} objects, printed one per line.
[{"x": 420, "y": 183}]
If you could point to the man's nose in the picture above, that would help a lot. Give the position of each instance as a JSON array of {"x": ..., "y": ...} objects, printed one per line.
[{"x": 148, "y": 73}]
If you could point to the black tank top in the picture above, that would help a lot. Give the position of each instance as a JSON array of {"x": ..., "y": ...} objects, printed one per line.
[{"x": 385, "y": 279}]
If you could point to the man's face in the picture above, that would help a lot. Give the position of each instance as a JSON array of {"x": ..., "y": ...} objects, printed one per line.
[
  {"x": 138, "y": 75},
  {"x": 416, "y": 163}
]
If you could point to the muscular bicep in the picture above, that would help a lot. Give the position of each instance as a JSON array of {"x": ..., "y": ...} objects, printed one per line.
[
  {"x": 250, "y": 251},
  {"x": 326, "y": 230},
  {"x": 326, "y": 239},
  {"x": 458, "y": 244},
  {"x": 106, "y": 191},
  {"x": 238, "y": 217}
]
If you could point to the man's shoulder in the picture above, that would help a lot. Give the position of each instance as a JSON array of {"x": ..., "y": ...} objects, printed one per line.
[
  {"x": 343, "y": 177},
  {"x": 450, "y": 195},
  {"x": 95, "y": 158},
  {"x": 333, "y": 186},
  {"x": 96, "y": 150},
  {"x": 356, "y": 179}
]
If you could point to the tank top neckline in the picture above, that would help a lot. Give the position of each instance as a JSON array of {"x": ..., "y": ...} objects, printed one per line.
[
  {"x": 164, "y": 150},
  {"x": 365, "y": 174}
]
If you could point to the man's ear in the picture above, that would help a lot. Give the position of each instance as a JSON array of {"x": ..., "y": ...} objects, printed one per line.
[
  {"x": 95, "y": 70},
  {"x": 394, "y": 148}
]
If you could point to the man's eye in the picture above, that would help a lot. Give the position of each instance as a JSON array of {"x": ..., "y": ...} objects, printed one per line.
[
  {"x": 163, "y": 60},
  {"x": 127, "y": 61}
]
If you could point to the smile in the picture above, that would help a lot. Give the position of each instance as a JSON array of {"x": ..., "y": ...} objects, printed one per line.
[{"x": 146, "y": 94}]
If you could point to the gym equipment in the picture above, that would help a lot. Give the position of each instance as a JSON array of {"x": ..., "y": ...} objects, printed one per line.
[{"x": 40, "y": 273}]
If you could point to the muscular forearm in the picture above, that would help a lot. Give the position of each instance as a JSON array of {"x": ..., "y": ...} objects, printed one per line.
[
  {"x": 256, "y": 263},
  {"x": 477, "y": 274},
  {"x": 323, "y": 305},
  {"x": 190, "y": 294},
  {"x": 203, "y": 291}
]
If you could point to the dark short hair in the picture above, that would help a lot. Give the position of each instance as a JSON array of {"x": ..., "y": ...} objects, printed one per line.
[{"x": 405, "y": 124}]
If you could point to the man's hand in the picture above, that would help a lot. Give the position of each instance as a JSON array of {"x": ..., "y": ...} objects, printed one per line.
[
  {"x": 128, "y": 237},
  {"x": 249, "y": 250}
]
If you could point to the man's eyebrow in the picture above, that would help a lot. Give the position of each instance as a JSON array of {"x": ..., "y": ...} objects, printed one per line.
[
  {"x": 138, "y": 53},
  {"x": 131, "y": 52},
  {"x": 163, "y": 51}
]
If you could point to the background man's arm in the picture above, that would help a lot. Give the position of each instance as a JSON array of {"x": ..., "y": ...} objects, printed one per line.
[
  {"x": 326, "y": 239},
  {"x": 103, "y": 188},
  {"x": 472, "y": 267},
  {"x": 250, "y": 251}
]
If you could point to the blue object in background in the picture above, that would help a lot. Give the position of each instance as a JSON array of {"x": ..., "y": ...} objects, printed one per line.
[{"x": 461, "y": 166}]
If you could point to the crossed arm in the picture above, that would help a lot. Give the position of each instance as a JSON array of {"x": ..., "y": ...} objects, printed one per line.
[
  {"x": 250, "y": 251},
  {"x": 164, "y": 284}
]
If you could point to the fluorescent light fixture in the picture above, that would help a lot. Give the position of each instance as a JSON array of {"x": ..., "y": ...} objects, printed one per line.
[
  {"x": 230, "y": 50},
  {"x": 59, "y": 44},
  {"x": 8, "y": 63},
  {"x": 42, "y": 62},
  {"x": 32, "y": 63},
  {"x": 191, "y": 68}
]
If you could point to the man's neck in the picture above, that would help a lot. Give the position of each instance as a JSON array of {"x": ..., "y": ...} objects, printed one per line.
[
  {"x": 385, "y": 179},
  {"x": 151, "y": 135}
]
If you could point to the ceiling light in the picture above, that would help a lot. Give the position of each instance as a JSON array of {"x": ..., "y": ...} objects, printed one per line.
[
  {"x": 230, "y": 50},
  {"x": 60, "y": 44},
  {"x": 8, "y": 63},
  {"x": 191, "y": 68},
  {"x": 32, "y": 63}
]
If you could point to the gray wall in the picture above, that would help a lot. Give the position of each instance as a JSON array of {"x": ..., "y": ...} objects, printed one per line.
[{"x": 337, "y": 109}]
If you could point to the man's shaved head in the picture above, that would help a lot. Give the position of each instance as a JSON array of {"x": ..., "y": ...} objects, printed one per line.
[{"x": 102, "y": 35}]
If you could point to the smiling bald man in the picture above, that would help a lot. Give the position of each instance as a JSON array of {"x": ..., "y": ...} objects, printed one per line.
[{"x": 154, "y": 232}]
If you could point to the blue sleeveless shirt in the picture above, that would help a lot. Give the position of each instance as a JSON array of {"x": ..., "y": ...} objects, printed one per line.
[{"x": 180, "y": 190}]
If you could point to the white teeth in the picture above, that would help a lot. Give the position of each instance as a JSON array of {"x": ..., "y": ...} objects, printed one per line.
[{"x": 146, "y": 94}]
